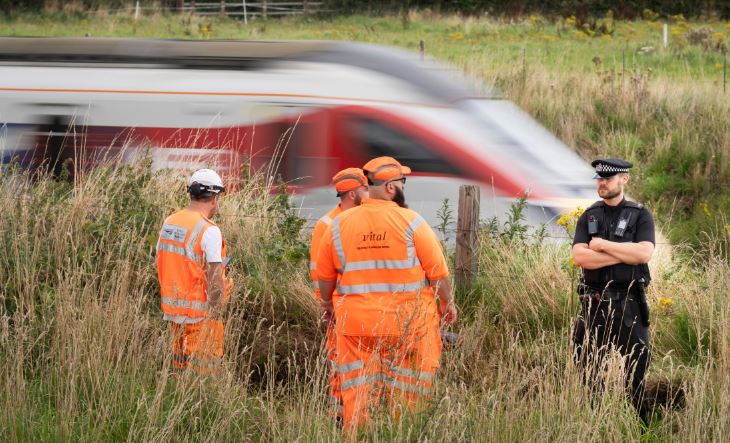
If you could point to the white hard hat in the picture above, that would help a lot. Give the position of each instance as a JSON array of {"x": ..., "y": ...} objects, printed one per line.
[{"x": 208, "y": 182}]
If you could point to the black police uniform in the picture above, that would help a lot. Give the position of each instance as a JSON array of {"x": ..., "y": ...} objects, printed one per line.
[{"x": 612, "y": 314}]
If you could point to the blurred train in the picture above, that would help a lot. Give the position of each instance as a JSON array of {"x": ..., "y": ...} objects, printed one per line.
[{"x": 299, "y": 110}]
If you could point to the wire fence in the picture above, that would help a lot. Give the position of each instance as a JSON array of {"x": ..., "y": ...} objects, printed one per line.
[{"x": 246, "y": 9}]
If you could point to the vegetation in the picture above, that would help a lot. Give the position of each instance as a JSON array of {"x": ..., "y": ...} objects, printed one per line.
[
  {"x": 84, "y": 354},
  {"x": 626, "y": 9}
]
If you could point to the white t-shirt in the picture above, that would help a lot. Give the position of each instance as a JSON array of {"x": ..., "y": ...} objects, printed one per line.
[{"x": 212, "y": 245}]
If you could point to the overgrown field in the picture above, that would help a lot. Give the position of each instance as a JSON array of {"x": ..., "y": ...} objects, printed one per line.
[{"x": 84, "y": 353}]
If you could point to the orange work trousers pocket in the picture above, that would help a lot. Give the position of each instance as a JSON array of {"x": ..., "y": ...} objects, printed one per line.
[{"x": 198, "y": 346}]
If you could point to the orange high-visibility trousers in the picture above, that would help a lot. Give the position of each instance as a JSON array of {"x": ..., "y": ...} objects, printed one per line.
[
  {"x": 398, "y": 371},
  {"x": 335, "y": 400},
  {"x": 198, "y": 346}
]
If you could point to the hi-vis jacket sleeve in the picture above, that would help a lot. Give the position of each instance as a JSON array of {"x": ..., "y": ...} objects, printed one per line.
[
  {"x": 326, "y": 267},
  {"x": 430, "y": 253},
  {"x": 317, "y": 235}
]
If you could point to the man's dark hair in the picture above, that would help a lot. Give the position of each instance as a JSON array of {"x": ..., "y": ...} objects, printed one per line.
[{"x": 202, "y": 198}]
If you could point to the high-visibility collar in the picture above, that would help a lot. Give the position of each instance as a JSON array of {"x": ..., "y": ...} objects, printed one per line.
[
  {"x": 198, "y": 212},
  {"x": 378, "y": 202}
]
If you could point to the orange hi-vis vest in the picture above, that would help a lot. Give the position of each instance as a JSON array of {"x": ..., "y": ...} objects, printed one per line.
[
  {"x": 319, "y": 230},
  {"x": 386, "y": 256},
  {"x": 181, "y": 265}
]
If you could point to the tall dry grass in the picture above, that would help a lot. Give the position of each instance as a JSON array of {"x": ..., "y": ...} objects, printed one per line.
[
  {"x": 84, "y": 354},
  {"x": 674, "y": 131}
]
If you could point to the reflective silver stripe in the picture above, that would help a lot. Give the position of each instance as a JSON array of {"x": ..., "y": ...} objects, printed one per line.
[
  {"x": 190, "y": 245},
  {"x": 377, "y": 182},
  {"x": 352, "y": 366},
  {"x": 381, "y": 287},
  {"x": 182, "y": 319},
  {"x": 349, "y": 176},
  {"x": 403, "y": 386},
  {"x": 338, "y": 241},
  {"x": 173, "y": 233},
  {"x": 312, "y": 265},
  {"x": 382, "y": 264},
  {"x": 208, "y": 363},
  {"x": 372, "y": 378},
  {"x": 181, "y": 358},
  {"x": 410, "y": 245},
  {"x": 179, "y": 303},
  {"x": 419, "y": 375},
  {"x": 326, "y": 220},
  {"x": 173, "y": 249},
  {"x": 359, "y": 381}
]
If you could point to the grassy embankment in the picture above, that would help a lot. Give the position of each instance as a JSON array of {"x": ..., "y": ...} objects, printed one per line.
[{"x": 84, "y": 351}]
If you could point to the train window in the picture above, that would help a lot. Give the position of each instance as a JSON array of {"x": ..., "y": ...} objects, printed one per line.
[{"x": 381, "y": 139}]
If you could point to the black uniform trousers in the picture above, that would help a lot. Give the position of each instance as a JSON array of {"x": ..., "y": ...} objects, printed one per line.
[{"x": 606, "y": 324}]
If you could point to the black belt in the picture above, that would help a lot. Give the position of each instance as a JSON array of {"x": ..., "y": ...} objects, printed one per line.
[{"x": 605, "y": 295}]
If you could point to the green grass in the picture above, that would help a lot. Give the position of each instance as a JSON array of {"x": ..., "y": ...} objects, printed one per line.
[{"x": 557, "y": 45}]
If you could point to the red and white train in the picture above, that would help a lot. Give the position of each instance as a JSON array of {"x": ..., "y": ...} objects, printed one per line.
[{"x": 303, "y": 110}]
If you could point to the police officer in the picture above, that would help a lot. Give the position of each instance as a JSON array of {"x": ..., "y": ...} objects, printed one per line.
[{"x": 614, "y": 241}]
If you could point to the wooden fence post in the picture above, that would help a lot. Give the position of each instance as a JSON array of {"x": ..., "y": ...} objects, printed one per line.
[
  {"x": 466, "y": 235},
  {"x": 223, "y": 7},
  {"x": 264, "y": 9}
]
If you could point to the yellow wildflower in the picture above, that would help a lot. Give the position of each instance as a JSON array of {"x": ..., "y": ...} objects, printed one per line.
[
  {"x": 706, "y": 208},
  {"x": 570, "y": 21},
  {"x": 606, "y": 37},
  {"x": 569, "y": 220},
  {"x": 456, "y": 36},
  {"x": 650, "y": 15},
  {"x": 665, "y": 303},
  {"x": 718, "y": 66}
]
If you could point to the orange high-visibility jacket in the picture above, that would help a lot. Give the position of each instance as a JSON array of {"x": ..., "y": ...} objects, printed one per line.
[
  {"x": 181, "y": 265},
  {"x": 386, "y": 256},
  {"x": 319, "y": 229}
]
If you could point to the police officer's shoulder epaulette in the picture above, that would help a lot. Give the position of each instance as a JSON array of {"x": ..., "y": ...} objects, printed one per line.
[
  {"x": 634, "y": 205},
  {"x": 597, "y": 204}
]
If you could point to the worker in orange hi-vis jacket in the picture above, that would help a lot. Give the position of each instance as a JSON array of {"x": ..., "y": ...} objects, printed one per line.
[
  {"x": 351, "y": 186},
  {"x": 191, "y": 260},
  {"x": 389, "y": 270}
]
